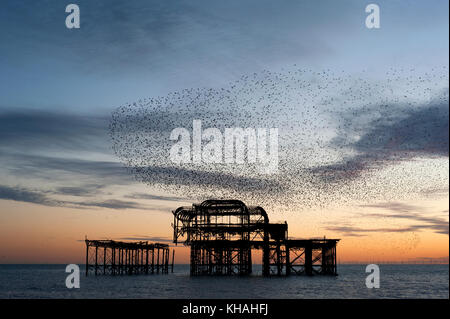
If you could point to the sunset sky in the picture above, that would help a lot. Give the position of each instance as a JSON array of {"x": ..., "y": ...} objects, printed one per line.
[{"x": 61, "y": 180}]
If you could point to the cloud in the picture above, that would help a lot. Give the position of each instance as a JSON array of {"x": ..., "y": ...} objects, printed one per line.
[
  {"x": 43, "y": 130},
  {"x": 157, "y": 197},
  {"x": 21, "y": 132},
  {"x": 395, "y": 206},
  {"x": 19, "y": 194},
  {"x": 57, "y": 168},
  {"x": 424, "y": 130},
  {"x": 112, "y": 204},
  {"x": 401, "y": 211},
  {"x": 23, "y": 195},
  {"x": 399, "y": 135},
  {"x": 352, "y": 231},
  {"x": 85, "y": 190},
  {"x": 178, "y": 177},
  {"x": 436, "y": 224},
  {"x": 124, "y": 36},
  {"x": 439, "y": 227},
  {"x": 108, "y": 173},
  {"x": 58, "y": 147}
]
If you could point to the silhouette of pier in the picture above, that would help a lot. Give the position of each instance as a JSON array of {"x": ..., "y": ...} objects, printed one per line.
[
  {"x": 109, "y": 257},
  {"x": 222, "y": 234}
]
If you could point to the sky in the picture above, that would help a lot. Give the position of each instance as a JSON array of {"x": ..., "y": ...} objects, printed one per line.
[{"x": 363, "y": 118}]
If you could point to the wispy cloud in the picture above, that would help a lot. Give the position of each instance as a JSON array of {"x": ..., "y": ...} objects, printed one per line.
[
  {"x": 437, "y": 226},
  {"x": 396, "y": 206},
  {"x": 417, "y": 217},
  {"x": 122, "y": 36},
  {"x": 20, "y": 194},
  {"x": 157, "y": 197},
  {"x": 111, "y": 203},
  {"x": 396, "y": 135},
  {"x": 85, "y": 190},
  {"x": 353, "y": 231},
  {"x": 58, "y": 168},
  {"x": 24, "y": 195},
  {"x": 43, "y": 130}
]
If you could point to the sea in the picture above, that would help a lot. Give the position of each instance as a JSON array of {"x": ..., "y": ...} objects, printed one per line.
[{"x": 396, "y": 281}]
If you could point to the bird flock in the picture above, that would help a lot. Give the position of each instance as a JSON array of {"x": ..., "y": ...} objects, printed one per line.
[{"x": 343, "y": 138}]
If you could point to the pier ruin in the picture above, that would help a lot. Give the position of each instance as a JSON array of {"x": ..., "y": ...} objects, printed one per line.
[
  {"x": 222, "y": 233},
  {"x": 109, "y": 257}
]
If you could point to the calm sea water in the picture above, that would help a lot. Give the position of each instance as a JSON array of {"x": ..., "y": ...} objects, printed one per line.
[{"x": 397, "y": 281}]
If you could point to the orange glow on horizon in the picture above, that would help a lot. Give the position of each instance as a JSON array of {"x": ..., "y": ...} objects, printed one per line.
[{"x": 37, "y": 234}]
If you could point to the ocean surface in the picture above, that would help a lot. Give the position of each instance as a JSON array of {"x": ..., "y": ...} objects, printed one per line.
[{"x": 396, "y": 281}]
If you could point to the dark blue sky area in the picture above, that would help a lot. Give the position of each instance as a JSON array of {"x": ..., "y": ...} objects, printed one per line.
[{"x": 126, "y": 50}]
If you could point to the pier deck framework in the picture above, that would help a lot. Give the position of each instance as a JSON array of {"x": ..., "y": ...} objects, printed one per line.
[
  {"x": 222, "y": 233},
  {"x": 109, "y": 257}
]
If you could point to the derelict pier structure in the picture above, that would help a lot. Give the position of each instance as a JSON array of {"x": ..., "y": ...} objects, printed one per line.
[
  {"x": 222, "y": 234},
  {"x": 109, "y": 257}
]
